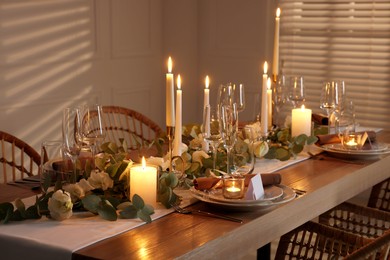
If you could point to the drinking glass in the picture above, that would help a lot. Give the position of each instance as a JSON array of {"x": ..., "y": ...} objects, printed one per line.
[
  {"x": 92, "y": 130},
  {"x": 70, "y": 135},
  {"x": 329, "y": 99},
  {"x": 225, "y": 95},
  {"x": 229, "y": 128},
  {"x": 250, "y": 135},
  {"x": 296, "y": 91},
  {"x": 53, "y": 167},
  {"x": 211, "y": 130},
  {"x": 239, "y": 97},
  {"x": 280, "y": 97}
]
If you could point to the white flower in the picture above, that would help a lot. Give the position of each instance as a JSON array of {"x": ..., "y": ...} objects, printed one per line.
[
  {"x": 100, "y": 180},
  {"x": 158, "y": 161},
  {"x": 75, "y": 190},
  {"x": 85, "y": 185},
  {"x": 197, "y": 156},
  {"x": 60, "y": 205}
]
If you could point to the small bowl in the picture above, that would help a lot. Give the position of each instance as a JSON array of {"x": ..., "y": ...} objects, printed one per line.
[{"x": 352, "y": 141}]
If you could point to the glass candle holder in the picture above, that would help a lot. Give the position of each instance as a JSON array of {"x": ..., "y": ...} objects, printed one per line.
[
  {"x": 352, "y": 141},
  {"x": 233, "y": 187}
]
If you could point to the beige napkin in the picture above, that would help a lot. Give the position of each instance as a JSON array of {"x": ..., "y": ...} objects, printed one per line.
[{"x": 206, "y": 183}]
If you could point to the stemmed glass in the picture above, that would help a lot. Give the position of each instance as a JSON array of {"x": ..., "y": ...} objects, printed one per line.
[
  {"x": 279, "y": 95},
  {"x": 329, "y": 99},
  {"x": 71, "y": 137},
  {"x": 239, "y": 97},
  {"x": 92, "y": 130},
  {"x": 229, "y": 128},
  {"x": 296, "y": 90},
  {"x": 211, "y": 130}
]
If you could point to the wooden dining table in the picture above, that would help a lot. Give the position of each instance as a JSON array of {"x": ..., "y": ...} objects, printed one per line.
[{"x": 326, "y": 180}]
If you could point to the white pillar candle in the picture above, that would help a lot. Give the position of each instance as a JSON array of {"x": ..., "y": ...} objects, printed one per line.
[
  {"x": 143, "y": 181},
  {"x": 206, "y": 99},
  {"x": 178, "y": 126},
  {"x": 269, "y": 102},
  {"x": 275, "y": 64},
  {"x": 264, "y": 105},
  {"x": 301, "y": 121},
  {"x": 169, "y": 98}
]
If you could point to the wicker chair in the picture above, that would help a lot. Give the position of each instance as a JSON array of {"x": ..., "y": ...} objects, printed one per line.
[
  {"x": 376, "y": 250},
  {"x": 380, "y": 196},
  {"x": 317, "y": 241},
  {"x": 363, "y": 221},
  {"x": 19, "y": 159},
  {"x": 135, "y": 128}
]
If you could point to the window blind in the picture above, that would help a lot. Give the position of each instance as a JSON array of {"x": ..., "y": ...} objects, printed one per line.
[{"x": 326, "y": 40}]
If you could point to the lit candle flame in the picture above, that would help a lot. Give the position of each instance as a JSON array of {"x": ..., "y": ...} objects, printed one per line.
[
  {"x": 207, "y": 81},
  {"x": 303, "y": 107},
  {"x": 269, "y": 83},
  {"x": 178, "y": 82},
  {"x": 265, "y": 67},
  {"x": 169, "y": 65},
  {"x": 278, "y": 13}
]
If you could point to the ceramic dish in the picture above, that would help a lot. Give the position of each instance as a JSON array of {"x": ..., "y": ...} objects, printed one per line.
[
  {"x": 288, "y": 195},
  {"x": 338, "y": 151}
]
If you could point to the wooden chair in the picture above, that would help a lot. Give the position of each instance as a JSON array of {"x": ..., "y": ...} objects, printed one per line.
[
  {"x": 376, "y": 250},
  {"x": 317, "y": 241},
  {"x": 19, "y": 159},
  {"x": 380, "y": 196},
  {"x": 135, "y": 128}
]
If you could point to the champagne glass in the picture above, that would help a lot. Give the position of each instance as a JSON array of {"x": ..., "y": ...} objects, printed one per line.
[
  {"x": 280, "y": 96},
  {"x": 296, "y": 90},
  {"x": 329, "y": 99},
  {"x": 92, "y": 131},
  {"x": 211, "y": 130},
  {"x": 239, "y": 96},
  {"x": 229, "y": 128},
  {"x": 250, "y": 135},
  {"x": 70, "y": 135}
]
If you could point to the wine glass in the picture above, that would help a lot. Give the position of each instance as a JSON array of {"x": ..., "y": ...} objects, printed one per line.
[
  {"x": 92, "y": 131},
  {"x": 249, "y": 134},
  {"x": 239, "y": 97},
  {"x": 296, "y": 92},
  {"x": 229, "y": 128},
  {"x": 329, "y": 99},
  {"x": 280, "y": 96},
  {"x": 70, "y": 135},
  {"x": 225, "y": 95},
  {"x": 211, "y": 130}
]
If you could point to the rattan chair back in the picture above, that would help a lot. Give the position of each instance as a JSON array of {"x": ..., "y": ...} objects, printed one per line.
[
  {"x": 18, "y": 159},
  {"x": 380, "y": 196}
]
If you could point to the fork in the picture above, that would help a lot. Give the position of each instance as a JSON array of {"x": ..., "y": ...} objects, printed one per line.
[{"x": 204, "y": 213}]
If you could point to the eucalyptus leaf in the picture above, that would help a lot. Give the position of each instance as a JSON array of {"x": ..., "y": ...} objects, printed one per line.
[
  {"x": 32, "y": 212},
  {"x": 91, "y": 203},
  {"x": 301, "y": 139},
  {"x": 297, "y": 148},
  {"x": 311, "y": 140},
  {"x": 4, "y": 209},
  {"x": 138, "y": 202},
  {"x": 128, "y": 212},
  {"x": 124, "y": 205},
  {"x": 107, "y": 211},
  {"x": 144, "y": 216},
  {"x": 148, "y": 209},
  {"x": 282, "y": 154}
]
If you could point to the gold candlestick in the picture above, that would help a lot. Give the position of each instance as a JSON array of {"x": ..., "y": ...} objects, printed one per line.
[{"x": 170, "y": 135}]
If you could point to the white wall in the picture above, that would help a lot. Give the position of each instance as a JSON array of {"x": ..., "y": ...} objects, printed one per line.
[{"x": 58, "y": 53}]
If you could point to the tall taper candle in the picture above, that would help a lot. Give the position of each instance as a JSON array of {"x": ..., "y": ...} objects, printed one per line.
[
  {"x": 206, "y": 102},
  {"x": 269, "y": 101},
  {"x": 275, "y": 63},
  {"x": 206, "y": 98},
  {"x": 177, "y": 141},
  {"x": 264, "y": 105},
  {"x": 169, "y": 98}
]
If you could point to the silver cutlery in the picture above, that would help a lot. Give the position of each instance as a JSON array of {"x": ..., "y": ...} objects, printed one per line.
[{"x": 204, "y": 213}]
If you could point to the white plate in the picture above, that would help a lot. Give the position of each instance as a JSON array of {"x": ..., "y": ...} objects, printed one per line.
[
  {"x": 288, "y": 195},
  {"x": 270, "y": 193},
  {"x": 337, "y": 150},
  {"x": 376, "y": 147}
]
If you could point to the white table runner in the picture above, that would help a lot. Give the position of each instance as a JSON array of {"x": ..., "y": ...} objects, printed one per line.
[{"x": 50, "y": 239}]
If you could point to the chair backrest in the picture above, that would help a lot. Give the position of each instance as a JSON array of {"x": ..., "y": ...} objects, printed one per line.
[
  {"x": 380, "y": 196},
  {"x": 135, "y": 128},
  {"x": 376, "y": 250},
  {"x": 316, "y": 241},
  {"x": 364, "y": 221},
  {"x": 18, "y": 159}
]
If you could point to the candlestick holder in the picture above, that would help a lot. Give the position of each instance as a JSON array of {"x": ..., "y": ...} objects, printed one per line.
[
  {"x": 170, "y": 135},
  {"x": 233, "y": 187}
]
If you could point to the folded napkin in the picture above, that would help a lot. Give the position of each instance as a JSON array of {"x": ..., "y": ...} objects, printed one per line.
[
  {"x": 334, "y": 138},
  {"x": 206, "y": 183},
  {"x": 319, "y": 119}
]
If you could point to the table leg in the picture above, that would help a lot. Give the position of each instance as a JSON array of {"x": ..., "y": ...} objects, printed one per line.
[{"x": 264, "y": 252}]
